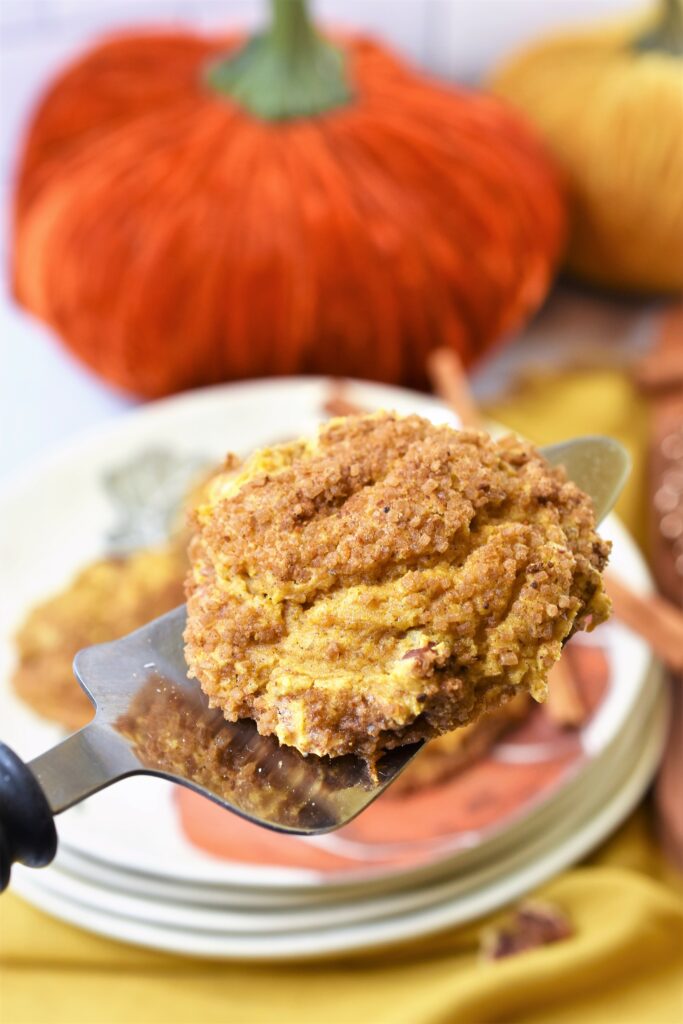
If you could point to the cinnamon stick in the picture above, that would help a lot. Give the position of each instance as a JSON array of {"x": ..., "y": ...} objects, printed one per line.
[
  {"x": 450, "y": 382},
  {"x": 660, "y": 371},
  {"x": 655, "y": 619},
  {"x": 338, "y": 403},
  {"x": 564, "y": 704}
]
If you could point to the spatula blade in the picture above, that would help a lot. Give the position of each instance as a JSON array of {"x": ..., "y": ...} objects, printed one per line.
[{"x": 152, "y": 719}]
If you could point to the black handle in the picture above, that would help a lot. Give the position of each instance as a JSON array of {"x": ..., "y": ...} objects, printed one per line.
[{"x": 27, "y": 828}]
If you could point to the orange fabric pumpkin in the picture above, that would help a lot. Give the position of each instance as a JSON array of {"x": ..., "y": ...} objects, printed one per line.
[{"x": 176, "y": 235}]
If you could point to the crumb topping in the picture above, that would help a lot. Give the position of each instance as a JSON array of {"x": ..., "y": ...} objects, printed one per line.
[{"x": 386, "y": 581}]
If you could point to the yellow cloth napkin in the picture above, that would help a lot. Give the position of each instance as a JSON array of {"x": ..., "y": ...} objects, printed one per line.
[
  {"x": 552, "y": 408},
  {"x": 624, "y": 964}
]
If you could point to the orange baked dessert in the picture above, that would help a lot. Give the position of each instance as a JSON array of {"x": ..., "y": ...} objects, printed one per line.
[
  {"x": 386, "y": 581},
  {"x": 106, "y": 600}
]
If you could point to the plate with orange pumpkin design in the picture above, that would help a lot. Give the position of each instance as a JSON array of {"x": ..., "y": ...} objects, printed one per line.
[
  {"x": 312, "y": 929},
  {"x": 118, "y": 491}
]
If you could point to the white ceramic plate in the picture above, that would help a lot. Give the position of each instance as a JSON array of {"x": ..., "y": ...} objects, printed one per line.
[
  {"x": 112, "y": 828},
  {"x": 208, "y": 914},
  {"x": 529, "y": 867},
  {"x": 101, "y": 886}
]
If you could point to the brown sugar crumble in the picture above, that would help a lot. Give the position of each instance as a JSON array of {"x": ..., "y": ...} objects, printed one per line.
[{"x": 386, "y": 581}]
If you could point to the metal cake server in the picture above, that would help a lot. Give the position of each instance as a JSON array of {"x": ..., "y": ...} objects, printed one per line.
[{"x": 151, "y": 719}]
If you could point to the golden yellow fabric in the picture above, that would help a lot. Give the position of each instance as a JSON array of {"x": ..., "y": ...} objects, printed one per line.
[
  {"x": 551, "y": 408},
  {"x": 611, "y": 116},
  {"x": 624, "y": 964}
]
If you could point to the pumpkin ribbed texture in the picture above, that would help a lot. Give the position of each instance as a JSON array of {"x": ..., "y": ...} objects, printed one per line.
[
  {"x": 174, "y": 240},
  {"x": 613, "y": 116}
]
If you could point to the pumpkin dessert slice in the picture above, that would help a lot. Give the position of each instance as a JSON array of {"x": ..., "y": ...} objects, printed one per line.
[{"x": 386, "y": 581}]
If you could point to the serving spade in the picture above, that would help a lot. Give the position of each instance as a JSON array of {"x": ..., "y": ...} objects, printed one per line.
[{"x": 150, "y": 719}]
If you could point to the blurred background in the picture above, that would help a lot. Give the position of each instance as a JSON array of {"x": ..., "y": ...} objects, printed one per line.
[
  {"x": 480, "y": 204},
  {"x": 461, "y": 42}
]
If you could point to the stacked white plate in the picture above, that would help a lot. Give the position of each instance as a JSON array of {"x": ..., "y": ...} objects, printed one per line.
[{"x": 139, "y": 864}]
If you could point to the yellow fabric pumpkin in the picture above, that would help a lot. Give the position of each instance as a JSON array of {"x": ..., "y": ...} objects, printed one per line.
[{"x": 610, "y": 105}]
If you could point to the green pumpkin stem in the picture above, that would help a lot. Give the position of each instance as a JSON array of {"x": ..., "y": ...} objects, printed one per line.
[
  {"x": 666, "y": 34},
  {"x": 288, "y": 71}
]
